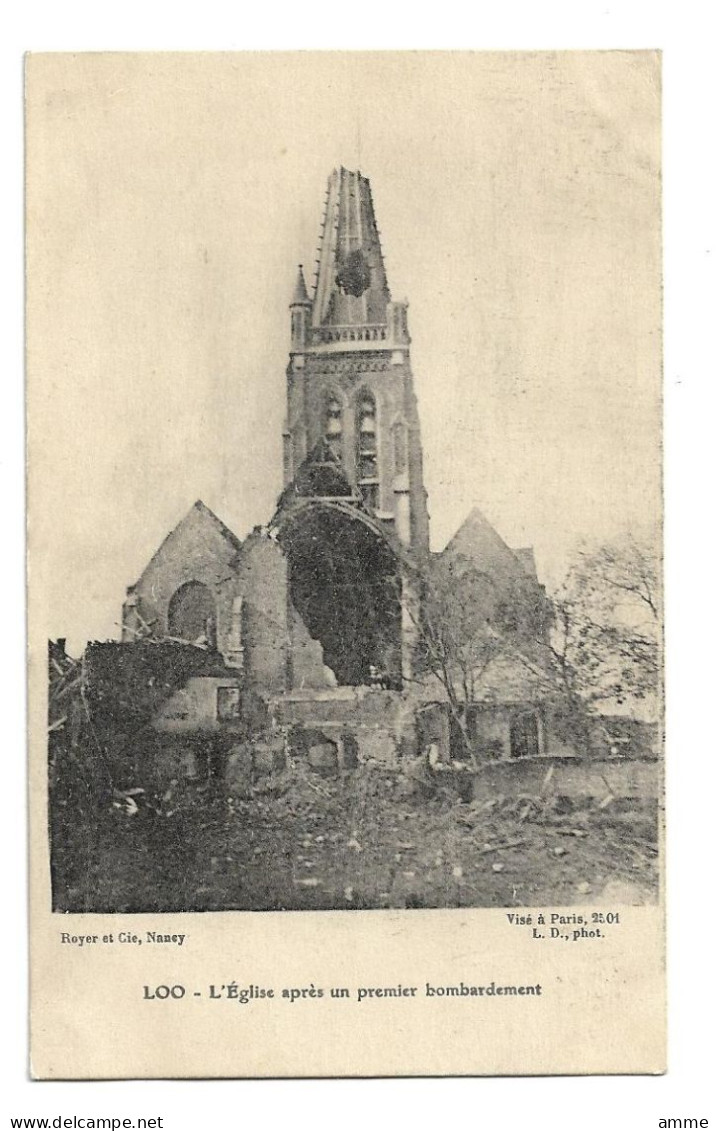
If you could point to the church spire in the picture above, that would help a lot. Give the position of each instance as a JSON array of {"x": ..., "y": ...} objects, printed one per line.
[
  {"x": 350, "y": 389},
  {"x": 351, "y": 286}
]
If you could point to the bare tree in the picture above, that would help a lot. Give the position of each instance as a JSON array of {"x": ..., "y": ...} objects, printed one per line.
[
  {"x": 605, "y": 639},
  {"x": 465, "y": 621},
  {"x": 594, "y": 641}
]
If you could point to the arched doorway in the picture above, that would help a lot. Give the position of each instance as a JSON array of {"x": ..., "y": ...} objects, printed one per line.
[{"x": 191, "y": 614}]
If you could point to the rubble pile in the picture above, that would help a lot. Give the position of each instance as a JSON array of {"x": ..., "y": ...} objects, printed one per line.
[{"x": 373, "y": 838}]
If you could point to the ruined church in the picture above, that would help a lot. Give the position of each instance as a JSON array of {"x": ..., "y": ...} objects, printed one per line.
[{"x": 309, "y": 624}]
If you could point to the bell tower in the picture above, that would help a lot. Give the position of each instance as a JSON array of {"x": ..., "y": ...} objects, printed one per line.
[{"x": 350, "y": 390}]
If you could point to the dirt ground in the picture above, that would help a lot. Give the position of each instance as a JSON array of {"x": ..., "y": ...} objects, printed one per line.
[{"x": 366, "y": 839}]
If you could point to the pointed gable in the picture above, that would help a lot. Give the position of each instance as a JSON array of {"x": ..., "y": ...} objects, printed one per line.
[
  {"x": 478, "y": 542},
  {"x": 200, "y": 548},
  {"x": 200, "y": 534},
  {"x": 196, "y": 562}
]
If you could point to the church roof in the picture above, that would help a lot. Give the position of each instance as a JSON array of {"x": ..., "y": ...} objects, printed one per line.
[
  {"x": 351, "y": 285},
  {"x": 525, "y": 557},
  {"x": 478, "y": 540}
]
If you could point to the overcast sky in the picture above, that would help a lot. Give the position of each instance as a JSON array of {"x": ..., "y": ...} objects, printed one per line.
[{"x": 170, "y": 198}]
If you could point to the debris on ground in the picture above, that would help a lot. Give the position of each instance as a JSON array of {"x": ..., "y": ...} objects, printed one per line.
[{"x": 313, "y": 843}]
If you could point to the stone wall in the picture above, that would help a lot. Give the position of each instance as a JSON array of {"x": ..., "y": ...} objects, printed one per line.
[
  {"x": 308, "y": 667},
  {"x": 570, "y": 777},
  {"x": 194, "y": 708},
  {"x": 380, "y": 723},
  {"x": 491, "y": 730},
  {"x": 248, "y": 586},
  {"x": 262, "y": 579}
]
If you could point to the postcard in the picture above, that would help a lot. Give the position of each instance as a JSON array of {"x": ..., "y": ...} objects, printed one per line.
[{"x": 345, "y": 605}]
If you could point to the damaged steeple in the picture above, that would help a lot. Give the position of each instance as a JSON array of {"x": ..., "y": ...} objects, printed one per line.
[
  {"x": 350, "y": 390},
  {"x": 351, "y": 285}
]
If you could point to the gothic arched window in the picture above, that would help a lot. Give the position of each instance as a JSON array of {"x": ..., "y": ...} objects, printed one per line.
[
  {"x": 367, "y": 471},
  {"x": 333, "y": 428},
  {"x": 191, "y": 614}
]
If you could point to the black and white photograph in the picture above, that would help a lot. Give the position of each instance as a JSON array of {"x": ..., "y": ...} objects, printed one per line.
[{"x": 350, "y": 427}]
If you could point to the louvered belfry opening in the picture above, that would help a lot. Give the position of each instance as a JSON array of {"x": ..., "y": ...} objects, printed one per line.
[
  {"x": 367, "y": 469},
  {"x": 333, "y": 429}
]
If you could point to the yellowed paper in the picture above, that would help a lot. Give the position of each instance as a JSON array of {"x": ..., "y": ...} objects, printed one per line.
[{"x": 345, "y": 757}]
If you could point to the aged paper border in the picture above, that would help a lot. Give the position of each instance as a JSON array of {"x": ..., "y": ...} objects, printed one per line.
[{"x": 111, "y": 1036}]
